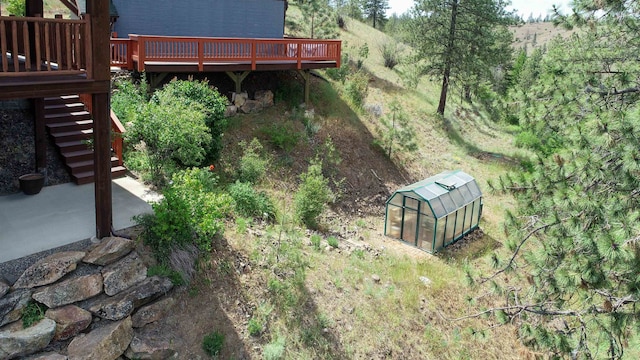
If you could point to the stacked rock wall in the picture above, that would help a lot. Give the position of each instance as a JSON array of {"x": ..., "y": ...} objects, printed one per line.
[{"x": 100, "y": 304}]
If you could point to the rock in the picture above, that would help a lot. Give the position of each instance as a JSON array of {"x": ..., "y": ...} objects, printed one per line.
[
  {"x": 425, "y": 280},
  {"x": 104, "y": 343},
  {"x": 70, "y": 291},
  {"x": 70, "y": 321},
  {"x": 264, "y": 97},
  {"x": 251, "y": 106},
  {"x": 16, "y": 341},
  {"x": 151, "y": 344},
  {"x": 239, "y": 99},
  {"x": 11, "y": 305},
  {"x": 152, "y": 312},
  {"x": 123, "y": 304},
  {"x": 109, "y": 250},
  {"x": 4, "y": 288},
  {"x": 375, "y": 278},
  {"x": 230, "y": 110},
  {"x": 123, "y": 274},
  {"x": 47, "y": 356},
  {"x": 49, "y": 269}
]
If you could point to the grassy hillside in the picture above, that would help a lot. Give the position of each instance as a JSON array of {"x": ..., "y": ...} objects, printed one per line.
[
  {"x": 535, "y": 35},
  {"x": 281, "y": 292}
]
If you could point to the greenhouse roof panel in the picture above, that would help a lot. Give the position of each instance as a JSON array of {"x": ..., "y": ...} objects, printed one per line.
[{"x": 441, "y": 187}]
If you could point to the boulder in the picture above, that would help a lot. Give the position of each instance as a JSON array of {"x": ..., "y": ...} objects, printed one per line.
[
  {"x": 15, "y": 341},
  {"x": 109, "y": 250},
  {"x": 104, "y": 343},
  {"x": 251, "y": 106},
  {"x": 70, "y": 291},
  {"x": 49, "y": 269},
  {"x": 264, "y": 97},
  {"x": 123, "y": 274},
  {"x": 70, "y": 321},
  {"x": 239, "y": 98},
  {"x": 12, "y": 305},
  {"x": 230, "y": 110},
  {"x": 152, "y": 312},
  {"x": 4, "y": 288},
  {"x": 47, "y": 356},
  {"x": 151, "y": 345},
  {"x": 123, "y": 304}
]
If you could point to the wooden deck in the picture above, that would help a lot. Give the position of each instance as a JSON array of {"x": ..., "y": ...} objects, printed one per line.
[{"x": 200, "y": 54}]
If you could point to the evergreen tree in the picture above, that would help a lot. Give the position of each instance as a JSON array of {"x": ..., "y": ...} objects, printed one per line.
[
  {"x": 375, "y": 10},
  {"x": 320, "y": 18},
  {"x": 575, "y": 236},
  {"x": 461, "y": 40}
]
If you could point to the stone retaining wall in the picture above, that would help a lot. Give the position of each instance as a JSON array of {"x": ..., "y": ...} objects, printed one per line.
[{"x": 103, "y": 311}]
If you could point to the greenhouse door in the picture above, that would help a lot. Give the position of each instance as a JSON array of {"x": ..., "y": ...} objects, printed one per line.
[{"x": 409, "y": 226}]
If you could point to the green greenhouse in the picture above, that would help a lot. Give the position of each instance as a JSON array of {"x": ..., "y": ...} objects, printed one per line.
[{"x": 434, "y": 212}]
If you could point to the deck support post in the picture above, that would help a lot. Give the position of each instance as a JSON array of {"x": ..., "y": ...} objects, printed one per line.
[
  {"x": 41, "y": 137},
  {"x": 238, "y": 78},
  {"x": 100, "y": 27},
  {"x": 155, "y": 79},
  {"x": 307, "y": 84}
]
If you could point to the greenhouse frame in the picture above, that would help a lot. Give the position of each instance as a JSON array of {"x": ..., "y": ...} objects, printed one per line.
[{"x": 434, "y": 212}]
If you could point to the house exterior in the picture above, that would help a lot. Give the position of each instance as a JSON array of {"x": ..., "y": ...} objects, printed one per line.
[{"x": 206, "y": 18}]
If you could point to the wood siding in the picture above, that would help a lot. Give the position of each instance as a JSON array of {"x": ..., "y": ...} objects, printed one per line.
[{"x": 210, "y": 18}]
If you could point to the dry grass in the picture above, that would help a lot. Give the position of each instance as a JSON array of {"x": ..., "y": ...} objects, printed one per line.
[{"x": 536, "y": 35}]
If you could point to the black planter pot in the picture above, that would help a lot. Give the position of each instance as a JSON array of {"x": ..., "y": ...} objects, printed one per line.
[{"x": 31, "y": 184}]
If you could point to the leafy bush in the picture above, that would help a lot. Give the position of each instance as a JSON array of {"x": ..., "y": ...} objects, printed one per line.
[
  {"x": 356, "y": 88},
  {"x": 316, "y": 241},
  {"x": 252, "y": 165},
  {"x": 32, "y": 313},
  {"x": 341, "y": 73},
  {"x": 332, "y": 241},
  {"x": 255, "y": 327},
  {"x": 249, "y": 202},
  {"x": 213, "y": 343},
  {"x": 189, "y": 213},
  {"x": 312, "y": 195},
  {"x": 282, "y": 136},
  {"x": 16, "y": 7},
  {"x": 127, "y": 99},
  {"x": 165, "y": 271},
  {"x": 174, "y": 135},
  {"x": 274, "y": 350},
  {"x": 390, "y": 54},
  {"x": 200, "y": 95}
]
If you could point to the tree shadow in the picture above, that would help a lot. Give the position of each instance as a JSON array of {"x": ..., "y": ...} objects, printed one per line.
[{"x": 472, "y": 246}]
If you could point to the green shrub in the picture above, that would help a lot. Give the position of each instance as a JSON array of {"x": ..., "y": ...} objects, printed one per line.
[
  {"x": 390, "y": 54},
  {"x": 205, "y": 98},
  {"x": 332, "y": 241},
  {"x": 16, "y": 7},
  {"x": 312, "y": 196},
  {"x": 127, "y": 99},
  {"x": 213, "y": 343},
  {"x": 316, "y": 241},
  {"x": 274, "y": 350},
  {"x": 32, "y": 313},
  {"x": 189, "y": 213},
  {"x": 282, "y": 136},
  {"x": 341, "y": 73},
  {"x": 165, "y": 271},
  {"x": 252, "y": 165},
  {"x": 249, "y": 202},
  {"x": 255, "y": 327},
  {"x": 174, "y": 135},
  {"x": 356, "y": 88}
]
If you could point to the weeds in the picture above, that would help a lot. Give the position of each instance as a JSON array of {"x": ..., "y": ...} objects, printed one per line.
[
  {"x": 282, "y": 136},
  {"x": 32, "y": 313},
  {"x": 332, "y": 241},
  {"x": 213, "y": 343},
  {"x": 165, "y": 271}
]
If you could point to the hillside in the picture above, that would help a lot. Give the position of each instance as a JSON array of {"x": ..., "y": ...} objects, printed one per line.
[
  {"x": 536, "y": 35},
  {"x": 275, "y": 292}
]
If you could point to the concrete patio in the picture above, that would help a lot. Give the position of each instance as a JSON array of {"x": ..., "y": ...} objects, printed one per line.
[{"x": 64, "y": 214}]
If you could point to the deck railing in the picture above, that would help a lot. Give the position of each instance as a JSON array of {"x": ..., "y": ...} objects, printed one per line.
[
  {"x": 141, "y": 49},
  {"x": 117, "y": 129},
  {"x": 34, "y": 45}
]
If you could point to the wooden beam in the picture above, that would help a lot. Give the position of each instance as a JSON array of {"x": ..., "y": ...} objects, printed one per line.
[
  {"x": 238, "y": 78},
  {"x": 307, "y": 84},
  {"x": 40, "y": 135},
  {"x": 100, "y": 56},
  {"x": 34, "y": 8}
]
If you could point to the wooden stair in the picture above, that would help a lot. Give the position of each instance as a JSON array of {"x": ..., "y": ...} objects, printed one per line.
[{"x": 71, "y": 128}]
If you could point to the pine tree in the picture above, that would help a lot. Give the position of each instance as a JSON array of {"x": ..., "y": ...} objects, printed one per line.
[
  {"x": 461, "y": 40},
  {"x": 375, "y": 10},
  {"x": 575, "y": 238}
]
